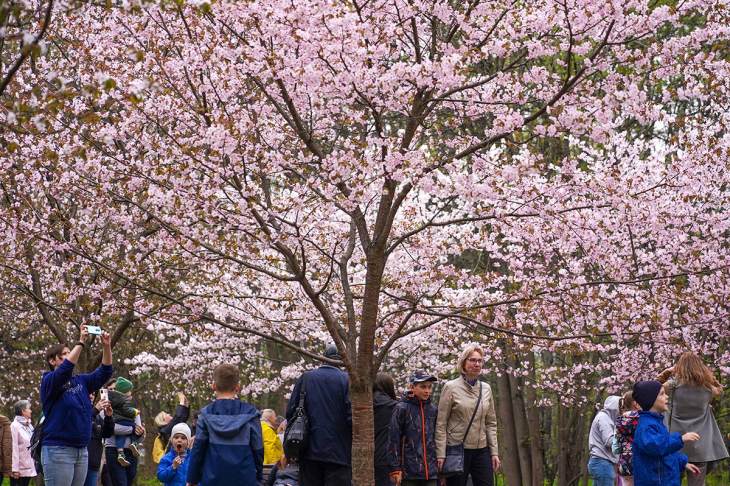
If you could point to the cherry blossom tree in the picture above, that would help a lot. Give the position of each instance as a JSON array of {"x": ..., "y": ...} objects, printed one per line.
[{"x": 401, "y": 176}]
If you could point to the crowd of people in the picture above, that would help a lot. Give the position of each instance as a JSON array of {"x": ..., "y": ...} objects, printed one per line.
[
  {"x": 91, "y": 431},
  {"x": 661, "y": 430}
]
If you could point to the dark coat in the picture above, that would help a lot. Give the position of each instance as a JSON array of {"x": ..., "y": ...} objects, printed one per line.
[
  {"x": 657, "y": 460},
  {"x": 182, "y": 412},
  {"x": 412, "y": 439},
  {"x": 328, "y": 408},
  {"x": 101, "y": 428},
  {"x": 122, "y": 406},
  {"x": 382, "y": 410}
]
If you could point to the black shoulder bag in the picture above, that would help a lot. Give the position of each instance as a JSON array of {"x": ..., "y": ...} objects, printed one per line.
[
  {"x": 454, "y": 461},
  {"x": 36, "y": 440},
  {"x": 297, "y": 429}
]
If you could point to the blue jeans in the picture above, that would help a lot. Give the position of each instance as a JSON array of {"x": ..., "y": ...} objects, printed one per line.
[
  {"x": 120, "y": 475},
  {"x": 121, "y": 440},
  {"x": 91, "y": 477},
  {"x": 601, "y": 471},
  {"x": 64, "y": 466}
]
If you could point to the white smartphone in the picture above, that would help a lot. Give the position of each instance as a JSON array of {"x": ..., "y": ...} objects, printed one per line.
[
  {"x": 95, "y": 330},
  {"x": 104, "y": 394}
]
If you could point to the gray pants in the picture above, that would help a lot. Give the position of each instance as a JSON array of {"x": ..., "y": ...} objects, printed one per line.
[{"x": 697, "y": 479}]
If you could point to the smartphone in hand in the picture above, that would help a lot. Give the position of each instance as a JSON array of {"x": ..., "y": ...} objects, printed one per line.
[
  {"x": 104, "y": 394},
  {"x": 95, "y": 330}
]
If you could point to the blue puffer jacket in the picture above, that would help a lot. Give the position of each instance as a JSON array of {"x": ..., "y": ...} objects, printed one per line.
[
  {"x": 169, "y": 476},
  {"x": 412, "y": 438},
  {"x": 657, "y": 461},
  {"x": 228, "y": 446}
]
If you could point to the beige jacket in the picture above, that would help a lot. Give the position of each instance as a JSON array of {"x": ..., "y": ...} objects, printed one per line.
[{"x": 456, "y": 405}]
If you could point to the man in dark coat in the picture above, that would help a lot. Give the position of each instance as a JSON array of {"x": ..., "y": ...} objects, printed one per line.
[{"x": 327, "y": 459}]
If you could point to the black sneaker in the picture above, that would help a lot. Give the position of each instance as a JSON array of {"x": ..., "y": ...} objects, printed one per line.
[
  {"x": 135, "y": 450},
  {"x": 122, "y": 460}
]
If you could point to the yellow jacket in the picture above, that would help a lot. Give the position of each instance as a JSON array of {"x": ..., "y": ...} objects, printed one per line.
[{"x": 273, "y": 450}]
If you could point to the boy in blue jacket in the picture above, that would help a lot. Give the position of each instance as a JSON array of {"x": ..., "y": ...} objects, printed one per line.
[
  {"x": 173, "y": 468},
  {"x": 412, "y": 435},
  {"x": 657, "y": 460},
  {"x": 228, "y": 446}
]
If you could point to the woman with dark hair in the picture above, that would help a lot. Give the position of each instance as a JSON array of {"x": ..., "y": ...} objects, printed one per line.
[
  {"x": 22, "y": 431},
  {"x": 383, "y": 403},
  {"x": 67, "y": 410},
  {"x": 102, "y": 427},
  {"x": 691, "y": 387}
]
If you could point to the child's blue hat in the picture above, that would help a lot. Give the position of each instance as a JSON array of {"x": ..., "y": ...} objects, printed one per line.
[{"x": 419, "y": 376}]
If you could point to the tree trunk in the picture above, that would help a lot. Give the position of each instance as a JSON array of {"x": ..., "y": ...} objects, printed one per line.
[
  {"x": 363, "y": 432},
  {"x": 562, "y": 434},
  {"x": 533, "y": 424},
  {"x": 521, "y": 429},
  {"x": 510, "y": 462}
]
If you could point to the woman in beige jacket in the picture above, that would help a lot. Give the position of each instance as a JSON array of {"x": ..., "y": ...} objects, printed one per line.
[{"x": 458, "y": 401}]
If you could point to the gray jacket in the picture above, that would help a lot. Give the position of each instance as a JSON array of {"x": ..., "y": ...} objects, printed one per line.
[
  {"x": 126, "y": 430},
  {"x": 690, "y": 411},
  {"x": 603, "y": 429}
]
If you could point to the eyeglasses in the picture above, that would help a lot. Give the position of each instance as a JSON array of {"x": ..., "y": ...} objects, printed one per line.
[{"x": 475, "y": 360}]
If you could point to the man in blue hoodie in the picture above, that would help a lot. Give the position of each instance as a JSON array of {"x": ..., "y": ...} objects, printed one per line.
[
  {"x": 228, "y": 446},
  {"x": 68, "y": 411}
]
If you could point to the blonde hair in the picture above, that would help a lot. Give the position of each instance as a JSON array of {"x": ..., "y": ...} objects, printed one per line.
[
  {"x": 468, "y": 350},
  {"x": 690, "y": 370},
  {"x": 160, "y": 419}
]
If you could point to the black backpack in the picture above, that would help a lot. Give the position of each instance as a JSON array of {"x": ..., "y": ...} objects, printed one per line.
[
  {"x": 297, "y": 429},
  {"x": 36, "y": 441}
]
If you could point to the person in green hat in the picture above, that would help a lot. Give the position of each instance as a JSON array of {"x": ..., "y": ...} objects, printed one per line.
[{"x": 124, "y": 414}]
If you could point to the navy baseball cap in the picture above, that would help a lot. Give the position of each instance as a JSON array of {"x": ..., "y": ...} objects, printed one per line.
[{"x": 420, "y": 376}]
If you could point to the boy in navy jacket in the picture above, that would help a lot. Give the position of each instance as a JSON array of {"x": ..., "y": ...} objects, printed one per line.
[
  {"x": 657, "y": 460},
  {"x": 412, "y": 435},
  {"x": 228, "y": 446}
]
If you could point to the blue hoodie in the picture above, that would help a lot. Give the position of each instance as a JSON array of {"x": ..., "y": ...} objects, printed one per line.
[
  {"x": 228, "y": 446},
  {"x": 170, "y": 476},
  {"x": 656, "y": 460},
  {"x": 66, "y": 397}
]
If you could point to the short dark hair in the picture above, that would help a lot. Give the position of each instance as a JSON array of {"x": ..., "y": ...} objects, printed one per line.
[
  {"x": 226, "y": 377},
  {"x": 54, "y": 352}
]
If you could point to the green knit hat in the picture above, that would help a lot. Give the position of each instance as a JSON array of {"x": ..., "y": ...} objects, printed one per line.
[{"x": 123, "y": 385}]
